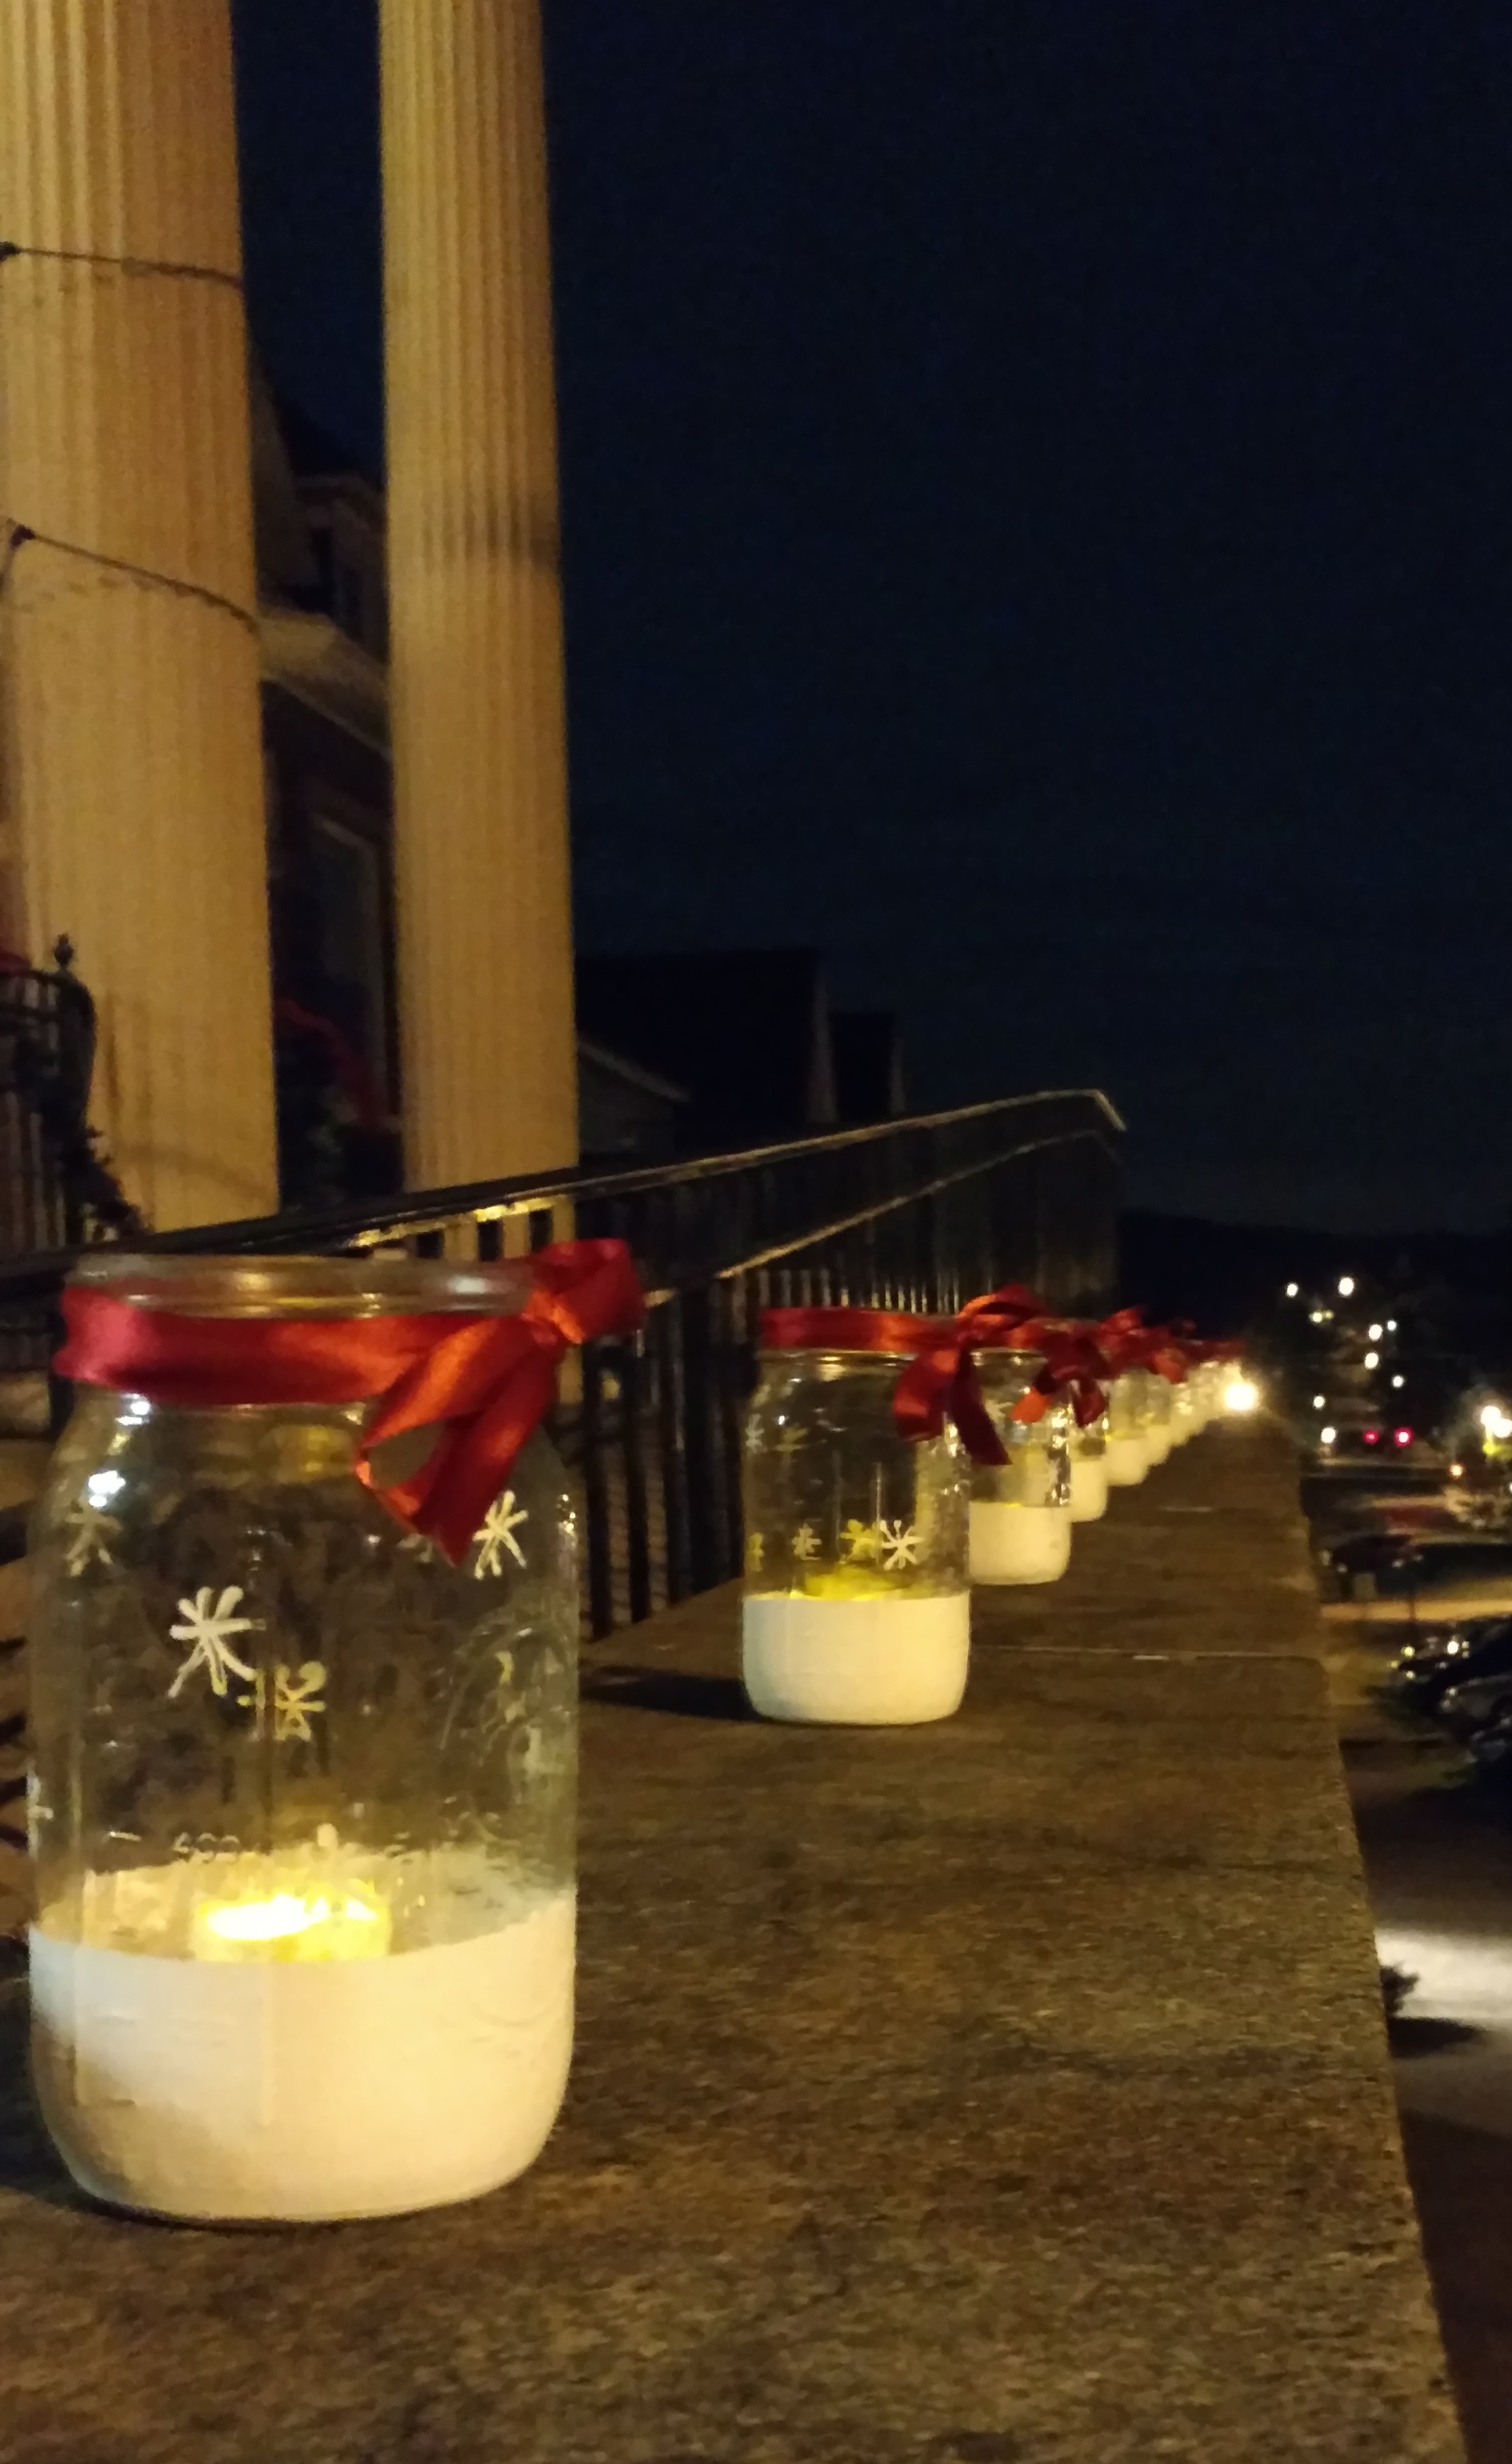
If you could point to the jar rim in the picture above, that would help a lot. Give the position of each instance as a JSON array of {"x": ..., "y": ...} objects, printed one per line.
[
  {"x": 832, "y": 1352},
  {"x": 208, "y": 1283}
]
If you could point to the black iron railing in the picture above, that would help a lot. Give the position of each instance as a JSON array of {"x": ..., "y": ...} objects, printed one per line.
[
  {"x": 914, "y": 1214},
  {"x": 57, "y": 1187}
]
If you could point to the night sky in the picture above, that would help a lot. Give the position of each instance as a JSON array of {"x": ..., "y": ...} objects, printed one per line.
[{"x": 1038, "y": 500}]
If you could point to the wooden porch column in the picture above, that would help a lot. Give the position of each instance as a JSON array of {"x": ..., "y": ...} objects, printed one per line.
[
  {"x": 481, "y": 856},
  {"x": 131, "y": 790}
]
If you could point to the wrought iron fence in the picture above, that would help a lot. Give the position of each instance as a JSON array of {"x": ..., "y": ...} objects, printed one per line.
[{"x": 914, "y": 1214}]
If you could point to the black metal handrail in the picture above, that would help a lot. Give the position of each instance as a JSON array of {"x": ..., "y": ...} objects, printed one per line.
[{"x": 912, "y": 1214}]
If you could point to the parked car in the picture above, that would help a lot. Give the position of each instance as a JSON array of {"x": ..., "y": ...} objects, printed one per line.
[
  {"x": 1491, "y": 1746},
  {"x": 1478, "y": 1705},
  {"x": 1349, "y": 1514},
  {"x": 1374, "y": 1444},
  {"x": 1438, "y": 1580},
  {"x": 1441, "y": 1659},
  {"x": 1350, "y": 1565}
]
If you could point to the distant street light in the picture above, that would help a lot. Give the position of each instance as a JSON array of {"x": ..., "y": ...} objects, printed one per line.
[
  {"x": 1292, "y": 1290},
  {"x": 1372, "y": 1360},
  {"x": 1345, "y": 1286},
  {"x": 1375, "y": 1333},
  {"x": 1319, "y": 1403}
]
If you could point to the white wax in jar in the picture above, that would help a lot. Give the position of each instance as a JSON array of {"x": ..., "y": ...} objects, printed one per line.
[
  {"x": 1157, "y": 1438},
  {"x": 305, "y": 2091},
  {"x": 1088, "y": 1487},
  {"x": 1019, "y": 1543},
  {"x": 871, "y": 1662},
  {"x": 1128, "y": 1458}
]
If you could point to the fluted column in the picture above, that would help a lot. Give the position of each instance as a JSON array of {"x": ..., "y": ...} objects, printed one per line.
[
  {"x": 485, "y": 932},
  {"x": 130, "y": 755}
]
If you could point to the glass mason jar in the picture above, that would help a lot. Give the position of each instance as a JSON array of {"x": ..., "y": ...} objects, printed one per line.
[
  {"x": 1021, "y": 1523},
  {"x": 302, "y": 1804},
  {"x": 1157, "y": 1413},
  {"x": 1089, "y": 1471},
  {"x": 857, "y": 1602},
  {"x": 1127, "y": 1447},
  {"x": 1184, "y": 1420}
]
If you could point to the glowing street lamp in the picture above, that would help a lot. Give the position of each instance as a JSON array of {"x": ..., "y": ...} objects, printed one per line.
[{"x": 1345, "y": 1286}]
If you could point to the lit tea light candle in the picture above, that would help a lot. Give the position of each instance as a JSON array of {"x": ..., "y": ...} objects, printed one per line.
[{"x": 352, "y": 1924}]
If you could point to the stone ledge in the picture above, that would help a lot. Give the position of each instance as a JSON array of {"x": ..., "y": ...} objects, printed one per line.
[{"x": 1012, "y": 2092}]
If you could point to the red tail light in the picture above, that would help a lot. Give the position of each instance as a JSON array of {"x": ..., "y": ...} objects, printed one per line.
[
  {"x": 1371, "y": 1436},
  {"x": 1404, "y": 1437}
]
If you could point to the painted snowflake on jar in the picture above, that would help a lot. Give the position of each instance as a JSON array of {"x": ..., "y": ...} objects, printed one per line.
[
  {"x": 89, "y": 1532},
  {"x": 859, "y": 1543},
  {"x": 899, "y": 1544},
  {"x": 499, "y": 1527},
  {"x": 207, "y": 1628},
  {"x": 805, "y": 1541},
  {"x": 295, "y": 1696}
]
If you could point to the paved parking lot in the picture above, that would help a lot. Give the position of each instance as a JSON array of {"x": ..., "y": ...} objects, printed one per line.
[
  {"x": 1439, "y": 1862},
  {"x": 1439, "y": 1867}
]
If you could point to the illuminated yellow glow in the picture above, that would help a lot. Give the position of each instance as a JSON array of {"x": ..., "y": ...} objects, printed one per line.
[
  {"x": 848, "y": 1583},
  {"x": 1495, "y": 1423},
  {"x": 353, "y": 1923},
  {"x": 1241, "y": 1395},
  {"x": 265, "y": 1919}
]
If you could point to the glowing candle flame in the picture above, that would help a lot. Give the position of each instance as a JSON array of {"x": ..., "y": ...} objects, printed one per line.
[{"x": 353, "y": 1923}]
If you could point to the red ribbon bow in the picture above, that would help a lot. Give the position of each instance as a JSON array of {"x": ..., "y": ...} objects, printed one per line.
[
  {"x": 939, "y": 1383},
  {"x": 1127, "y": 1343},
  {"x": 483, "y": 1381},
  {"x": 1013, "y": 1319}
]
